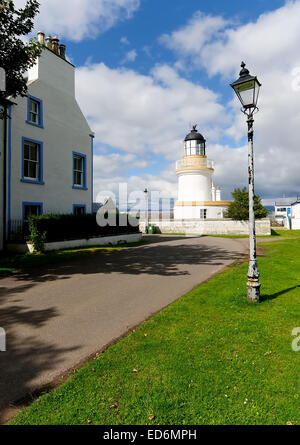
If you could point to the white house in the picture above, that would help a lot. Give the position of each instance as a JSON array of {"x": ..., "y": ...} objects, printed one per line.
[
  {"x": 198, "y": 198},
  {"x": 295, "y": 216},
  {"x": 49, "y": 143},
  {"x": 282, "y": 210}
]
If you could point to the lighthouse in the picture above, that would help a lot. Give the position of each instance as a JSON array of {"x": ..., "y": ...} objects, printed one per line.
[{"x": 198, "y": 198}]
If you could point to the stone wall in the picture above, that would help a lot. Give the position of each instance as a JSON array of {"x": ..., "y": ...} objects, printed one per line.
[
  {"x": 91, "y": 242},
  {"x": 210, "y": 227}
]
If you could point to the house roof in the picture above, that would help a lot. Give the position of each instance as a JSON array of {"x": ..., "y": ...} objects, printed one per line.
[{"x": 283, "y": 203}]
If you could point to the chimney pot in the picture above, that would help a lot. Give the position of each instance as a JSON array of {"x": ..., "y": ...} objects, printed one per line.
[
  {"x": 49, "y": 42},
  {"x": 55, "y": 43},
  {"x": 62, "y": 51},
  {"x": 41, "y": 37}
]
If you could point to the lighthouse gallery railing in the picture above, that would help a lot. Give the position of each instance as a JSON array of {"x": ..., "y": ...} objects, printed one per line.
[{"x": 194, "y": 162}]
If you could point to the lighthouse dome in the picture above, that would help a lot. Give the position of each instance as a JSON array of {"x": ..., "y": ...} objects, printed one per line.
[
  {"x": 194, "y": 143},
  {"x": 194, "y": 136}
]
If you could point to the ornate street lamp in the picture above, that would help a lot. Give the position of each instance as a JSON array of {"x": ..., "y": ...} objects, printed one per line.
[{"x": 247, "y": 89}]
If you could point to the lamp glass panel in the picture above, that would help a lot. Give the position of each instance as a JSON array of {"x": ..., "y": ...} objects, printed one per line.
[
  {"x": 256, "y": 92},
  {"x": 245, "y": 92}
]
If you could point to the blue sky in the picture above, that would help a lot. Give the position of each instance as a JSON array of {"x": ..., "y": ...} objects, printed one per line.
[{"x": 147, "y": 69}]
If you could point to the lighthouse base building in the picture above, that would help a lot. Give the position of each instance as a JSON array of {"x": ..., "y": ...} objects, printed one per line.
[{"x": 198, "y": 198}]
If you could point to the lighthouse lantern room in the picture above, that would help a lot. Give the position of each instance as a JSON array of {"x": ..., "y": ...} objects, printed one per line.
[{"x": 197, "y": 196}]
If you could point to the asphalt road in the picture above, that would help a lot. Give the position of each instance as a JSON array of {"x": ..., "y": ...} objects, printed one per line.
[{"x": 57, "y": 317}]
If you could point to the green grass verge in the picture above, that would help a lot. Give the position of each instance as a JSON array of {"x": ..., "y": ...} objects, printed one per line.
[
  {"x": 10, "y": 263},
  {"x": 210, "y": 358},
  {"x": 274, "y": 232}
]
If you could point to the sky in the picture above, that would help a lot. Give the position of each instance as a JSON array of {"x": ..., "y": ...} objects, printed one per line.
[{"x": 146, "y": 70}]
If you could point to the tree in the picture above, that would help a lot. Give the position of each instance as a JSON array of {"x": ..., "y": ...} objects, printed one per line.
[
  {"x": 239, "y": 208},
  {"x": 17, "y": 56}
]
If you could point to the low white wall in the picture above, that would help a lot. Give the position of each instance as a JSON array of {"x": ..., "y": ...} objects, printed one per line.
[
  {"x": 104, "y": 241},
  {"x": 210, "y": 227}
]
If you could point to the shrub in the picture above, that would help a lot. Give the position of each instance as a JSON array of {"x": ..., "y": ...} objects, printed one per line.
[
  {"x": 36, "y": 237},
  {"x": 52, "y": 228},
  {"x": 239, "y": 208}
]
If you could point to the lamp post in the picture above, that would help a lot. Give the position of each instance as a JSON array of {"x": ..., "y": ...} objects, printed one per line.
[
  {"x": 247, "y": 89},
  {"x": 147, "y": 210}
]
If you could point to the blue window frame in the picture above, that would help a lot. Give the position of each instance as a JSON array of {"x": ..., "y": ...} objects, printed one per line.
[
  {"x": 31, "y": 208},
  {"x": 79, "y": 171},
  {"x": 32, "y": 161},
  {"x": 79, "y": 209},
  {"x": 35, "y": 111}
]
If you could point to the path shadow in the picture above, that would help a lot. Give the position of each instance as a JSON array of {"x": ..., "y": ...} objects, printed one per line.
[
  {"x": 152, "y": 259},
  {"x": 278, "y": 294},
  {"x": 24, "y": 360}
]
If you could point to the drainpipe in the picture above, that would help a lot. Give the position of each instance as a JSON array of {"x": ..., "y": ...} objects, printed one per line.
[{"x": 4, "y": 117}]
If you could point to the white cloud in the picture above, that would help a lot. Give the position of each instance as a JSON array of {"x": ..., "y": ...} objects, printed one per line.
[
  {"x": 129, "y": 57},
  {"x": 144, "y": 116},
  {"x": 125, "y": 41},
  {"x": 198, "y": 32},
  {"x": 79, "y": 19},
  {"x": 270, "y": 46}
]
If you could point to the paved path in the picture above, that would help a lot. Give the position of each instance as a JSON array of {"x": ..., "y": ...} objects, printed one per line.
[{"x": 59, "y": 316}]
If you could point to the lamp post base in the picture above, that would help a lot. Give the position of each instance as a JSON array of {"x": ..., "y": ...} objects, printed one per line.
[{"x": 253, "y": 289}]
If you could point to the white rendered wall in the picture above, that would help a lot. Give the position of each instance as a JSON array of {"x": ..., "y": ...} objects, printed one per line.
[
  {"x": 193, "y": 212},
  {"x": 65, "y": 130},
  {"x": 194, "y": 185},
  {"x": 296, "y": 217},
  {"x": 58, "y": 73}
]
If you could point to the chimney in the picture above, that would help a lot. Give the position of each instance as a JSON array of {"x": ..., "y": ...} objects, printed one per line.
[
  {"x": 62, "y": 51},
  {"x": 49, "y": 42},
  {"x": 41, "y": 37},
  {"x": 218, "y": 194},
  {"x": 213, "y": 192},
  {"x": 55, "y": 43}
]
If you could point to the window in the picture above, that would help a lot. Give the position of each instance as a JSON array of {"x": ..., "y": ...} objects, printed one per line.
[
  {"x": 31, "y": 209},
  {"x": 32, "y": 161},
  {"x": 203, "y": 213},
  {"x": 79, "y": 171},
  {"x": 35, "y": 112},
  {"x": 79, "y": 209}
]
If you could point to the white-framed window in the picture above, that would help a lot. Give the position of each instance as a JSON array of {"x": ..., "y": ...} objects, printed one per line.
[
  {"x": 31, "y": 160},
  {"x": 34, "y": 110},
  {"x": 78, "y": 170},
  {"x": 203, "y": 213}
]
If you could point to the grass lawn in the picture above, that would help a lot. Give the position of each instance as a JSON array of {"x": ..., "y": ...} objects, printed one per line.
[
  {"x": 275, "y": 232},
  {"x": 10, "y": 262},
  {"x": 210, "y": 358}
]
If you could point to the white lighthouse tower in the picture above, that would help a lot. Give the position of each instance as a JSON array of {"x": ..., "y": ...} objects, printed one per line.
[{"x": 198, "y": 198}]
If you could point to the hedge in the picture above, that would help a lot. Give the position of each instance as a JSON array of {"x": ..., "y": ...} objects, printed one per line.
[{"x": 53, "y": 228}]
